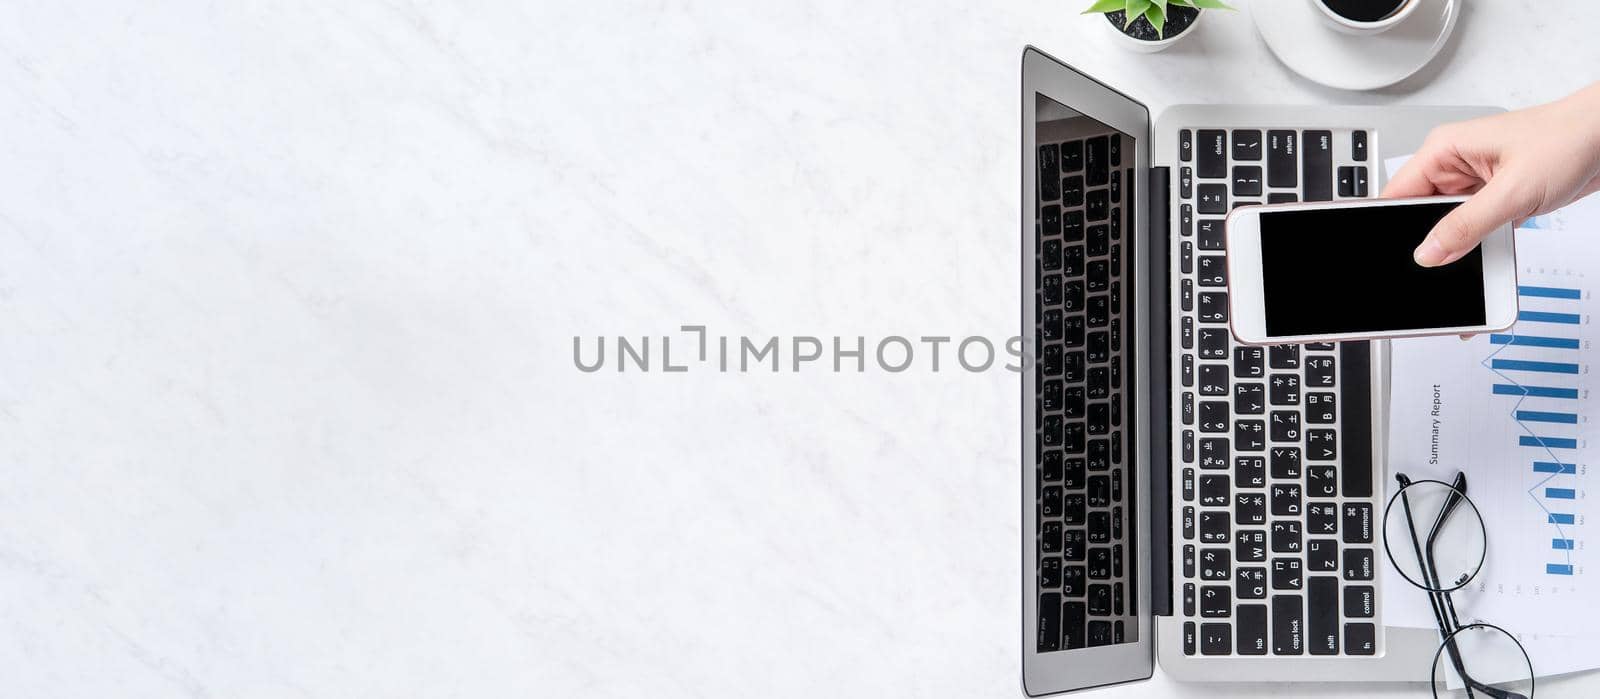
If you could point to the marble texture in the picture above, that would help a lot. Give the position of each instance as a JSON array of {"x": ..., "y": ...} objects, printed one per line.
[{"x": 287, "y": 292}]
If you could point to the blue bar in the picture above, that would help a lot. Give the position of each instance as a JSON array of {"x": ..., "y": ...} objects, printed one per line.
[
  {"x": 1550, "y": 442},
  {"x": 1525, "y": 365},
  {"x": 1558, "y": 518},
  {"x": 1534, "y": 341},
  {"x": 1561, "y": 544},
  {"x": 1553, "y": 467},
  {"x": 1560, "y": 493},
  {"x": 1549, "y": 292},
  {"x": 1547, "y": 317},
  {"x": 1505, "y": 389},
  {"x": 1541, "y": 416},
  {"x": 1558, "y": 569}
]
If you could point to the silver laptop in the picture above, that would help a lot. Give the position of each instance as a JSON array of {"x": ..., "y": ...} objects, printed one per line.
[{"x": 1188, "y": 500}]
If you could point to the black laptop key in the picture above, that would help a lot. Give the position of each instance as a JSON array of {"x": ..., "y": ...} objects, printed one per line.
[
  {"x": 1188, "y": 638},
  {"x": 1116, "y": 193},
  {"x": 1247, "y": 181},
  {"x": 1099, "y": 600},
  {"x": 1213, "y": 416},
  {"x": 1358, "y": 563},
  {"x": 1097, "y": 205},
  {"x": 1247, "y": 362},
  {"x": 1050, "y": 501},
  {"x": 1361, "y": 181},
  {"x": 1213, "y": 453},
  {"x": 1250, "y": 546},
  {"x": 1099, "y": 347},
  {"x": 1285, "y": 536},
  {"x": 1188, "y": 371},
  {"x": 1322, "y": 518},
  {"x": 1114, "y": 149},
  {"x": 1049, "y": 622},
  {"x": 1284, "y": 356},
  {"x": 1050, "y": 255},
  {"x": 1187, "y": 408},
  {"x": 1188, "y": 560},
  {"x": 1186, "y": 182},
  {"x": 1185, "y": 145},
  {"x": 1282, "y": 198},
  {"x": 1072, "y": 296},
  {"x": 1287, "y": 626},
  {"x": 1246, "y": 144},
  {"x": 1072, "y": 402},
  {"x": 1212, "y": 198},
  {"x": 1250, "y": 582},
  {"x": 1213, "y": 379},
  {"x": 1358, "y": 146},
  {"x": 1072, "y": 190},
  {"x": 1099, "y": 384},
  {"x": 1186, "y": 258},
  {"x": 1286, "y": 574},
  {"x": 1250, "y": 472},
  {"x": 1072, "y": 226},
  {"x": 1049, "y": 173},
  {"x": 1213, "y": 343},
  {"x": 1188, "y": 445},
  {"x": 1212, "y": 234},
  {"x": 1212, "y": 159},
  {"x": 1214, "y": 490},
  {"x": 1285, "y": 462},
  {"x": 1214, "y": 309},
  {"x": 1322, "y": 555},
  {"x": 1252, "y": 622},
  {"x": 1075, "y": 508},
  {"x": 1317, "y": 163},
  {"x": 1099, "y": 563},
  {"x": 1249, "y": 398},
  {"x": 1050, "y": 572},
  {"x": 1214, "y": 564},
  {"x": 1051, "y": 329},
  {"x": 1186, "y": 295},
  {"x": 1099, "y": 242},
  {"x": 1189, "y": 601},
  {"x": 1345, "y": 181},
  {"x": 1250, "y": 508},
  {"x": 1072, "y": 260},
  {"x": 1281, "y": 147},
  {"x": 1249, "y": 435},
  {"x": 1213, "y": 270},
  {"x": 1072, "y": 365},
  {"x": 1100, "y": 496},
  {"x": 1322, "y": 615},
  {"x": 1216, "y": 601},
  {"x": 1319, "y": 370},
  {"x": 1050, "y": 219},
  {"x": 1216, "y": 638},
  {"x": 1050, "y": 468},
  {"x": 1074, "y": 548},
  {"x": 1186, "y": 220},
  {"x": 1285, "y": 499},
  {"x": 1360, "y": 602},
  {"x": 1322, "y": 481},
  {"x": 1096, "y": 161},
  {"x": 1050, "y": 538},
  {"x": 1072, "y": 156},
  {"x": 1321, "y": 445},
  {"x": 1116, "y": 570},
  {"x": 1188, "y": 485},
  {"x": 1283, "y": 389},
  {"x": 1074, "y": 618},
  {"x": 1360, "y": 638},
  {"x": 1285, "y": 426},
  {"x": 1214, "y": 527},
  {"x": 1050, "y": 289},
  {"x": 1321, "y": 408},
  {"x": 1074, "y": 581},
  {"x": 1099, "y": 310},
  {"x": 1099, "y": 633},
  {"x": 1186, "y": 332},
  {"x": 1357, "y": 523}
]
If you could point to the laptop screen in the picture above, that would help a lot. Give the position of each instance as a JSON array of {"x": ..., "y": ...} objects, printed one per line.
[{"x": 1083, "y": 395}]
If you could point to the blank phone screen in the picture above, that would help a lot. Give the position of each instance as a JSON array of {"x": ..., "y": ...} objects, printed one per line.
[{"x": 1351, "y": 271}]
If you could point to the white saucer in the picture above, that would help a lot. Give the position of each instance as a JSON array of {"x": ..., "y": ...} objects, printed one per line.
[{"x": 1303, "y": 39}]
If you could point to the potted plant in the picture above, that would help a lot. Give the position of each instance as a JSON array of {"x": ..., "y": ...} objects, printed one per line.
[{"x": 1152, "y": 25}]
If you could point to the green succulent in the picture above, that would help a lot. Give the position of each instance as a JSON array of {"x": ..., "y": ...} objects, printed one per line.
[{"x": 1155, "y": 11}]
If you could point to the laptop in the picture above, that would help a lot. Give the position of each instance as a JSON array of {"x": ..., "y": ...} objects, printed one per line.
[{"x": 1188, "y": 500}]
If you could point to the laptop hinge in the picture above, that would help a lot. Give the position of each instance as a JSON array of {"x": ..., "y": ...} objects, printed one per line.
[{"x": 1158, "y": 289}]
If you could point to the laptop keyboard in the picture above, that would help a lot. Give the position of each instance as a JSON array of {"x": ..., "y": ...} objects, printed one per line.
[
  {"x": 1085, "y": 485},
  {"x": 1272, "y": 453}
]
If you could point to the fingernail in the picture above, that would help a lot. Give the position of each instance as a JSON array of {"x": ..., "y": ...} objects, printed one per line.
[{"x": 1429, "y": 254}]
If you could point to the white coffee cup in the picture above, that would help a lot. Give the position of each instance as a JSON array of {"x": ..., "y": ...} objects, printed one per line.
[{"x": 1350, "y": 26}]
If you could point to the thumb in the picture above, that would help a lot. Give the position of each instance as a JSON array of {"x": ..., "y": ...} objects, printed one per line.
[{"x": 1461, "y": 230}]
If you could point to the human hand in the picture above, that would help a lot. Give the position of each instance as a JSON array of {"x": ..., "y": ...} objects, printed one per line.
[{"x": 1515, "y": 165}]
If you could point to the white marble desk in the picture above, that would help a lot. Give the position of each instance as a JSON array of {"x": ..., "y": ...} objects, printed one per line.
[{"x": 287, "y": 295}]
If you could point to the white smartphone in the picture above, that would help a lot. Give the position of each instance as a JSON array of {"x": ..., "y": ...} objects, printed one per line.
[{"x": 1329, "y": 271}]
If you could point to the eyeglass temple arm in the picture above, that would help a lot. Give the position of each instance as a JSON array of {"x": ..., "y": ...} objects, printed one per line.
[{"x": 1436, "y": 600}]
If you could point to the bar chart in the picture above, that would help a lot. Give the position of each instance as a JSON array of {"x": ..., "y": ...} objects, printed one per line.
[{"x": 1537, "y": 375}]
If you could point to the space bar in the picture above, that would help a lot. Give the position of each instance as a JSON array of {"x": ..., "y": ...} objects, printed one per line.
[{"x": 1355, "y": 418}]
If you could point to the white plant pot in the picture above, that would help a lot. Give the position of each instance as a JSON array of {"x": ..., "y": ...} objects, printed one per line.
[{"x": 1144, "y": 46}]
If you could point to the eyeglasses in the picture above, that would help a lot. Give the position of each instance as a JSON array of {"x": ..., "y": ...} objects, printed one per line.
[{"x": 1444, "y": 560}]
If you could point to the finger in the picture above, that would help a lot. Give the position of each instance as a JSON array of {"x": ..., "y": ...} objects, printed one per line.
[
  {"x": 1460, "y": 230},
  {"x": 1411, "y": 180}
]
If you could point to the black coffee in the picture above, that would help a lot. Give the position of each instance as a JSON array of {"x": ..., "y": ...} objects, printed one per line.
[{"x": 1364, "y": 10}]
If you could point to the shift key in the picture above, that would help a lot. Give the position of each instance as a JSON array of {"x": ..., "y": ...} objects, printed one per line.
[
  {"x": 1281, "y": 156},
  {"x": 1322, "y": 618},
  {"x": 1317, "y": 161}
]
